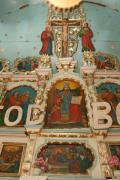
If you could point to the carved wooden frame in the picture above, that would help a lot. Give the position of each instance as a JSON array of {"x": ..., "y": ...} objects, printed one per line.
[
  {"x": 21, "y": 162},
  {"x": 71, "y": 141},
  {"x": 20, "y": 60},
  {"x": 82, "y": 84}
]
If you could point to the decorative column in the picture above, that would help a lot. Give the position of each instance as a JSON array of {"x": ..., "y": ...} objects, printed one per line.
[
  {"x": 103, "y": 154},
  {"x": 43, "y": 74},
  {"x": 44, "y": 68},
  {"x": 87, "y": 70},
  {"x": 88, "y": 62},
  {"x": 88, "y": 76},
  {"x": 27, "y": 164}
]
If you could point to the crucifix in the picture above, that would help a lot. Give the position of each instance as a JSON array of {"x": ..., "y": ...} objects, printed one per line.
[{"x": 65, "y": 23}]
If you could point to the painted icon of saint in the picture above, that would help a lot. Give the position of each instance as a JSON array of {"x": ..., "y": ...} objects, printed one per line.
[
  {"x": 86, "y": 35},
  {"x": 46, "y": 38}
]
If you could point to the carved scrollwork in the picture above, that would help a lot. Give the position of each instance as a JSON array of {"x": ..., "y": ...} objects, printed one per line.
[
  {"x": 41, "y": 102},
  {"x": 103, "y": 153},
  {"x": 43, "y": 73},
  {"x": 4, "y": 65},
  {"x": 92, "y": 90},
  {"x": 2, "y": 91},
  {"x": 66, "y": 65},
  {"x": 106, "y": 171},
  {"x": 44, "y": 61},
  {"x": 88, "y": 58}
]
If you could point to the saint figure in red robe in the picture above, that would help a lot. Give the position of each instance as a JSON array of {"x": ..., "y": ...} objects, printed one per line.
[
  {"x": 55, "y": 113},
  {"x": 46, "y": 38},
  {"x": 86, "y": 34}
]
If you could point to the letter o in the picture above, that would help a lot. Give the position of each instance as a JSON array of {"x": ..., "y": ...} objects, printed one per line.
[{"x": 7, "y": 114}]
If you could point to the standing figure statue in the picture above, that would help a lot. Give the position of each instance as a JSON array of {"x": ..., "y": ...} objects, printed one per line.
[
  {"x": 46, "y": 38},
  {"x": 86, "y": 34}
]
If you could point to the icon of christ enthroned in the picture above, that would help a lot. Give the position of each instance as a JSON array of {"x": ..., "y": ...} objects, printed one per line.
[{"x": 66, "y": 106}]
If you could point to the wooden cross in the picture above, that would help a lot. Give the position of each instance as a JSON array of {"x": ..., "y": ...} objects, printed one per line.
[{"x": 65, "y": 23}]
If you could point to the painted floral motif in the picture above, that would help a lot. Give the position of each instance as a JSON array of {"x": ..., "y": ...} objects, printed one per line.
[{"x": 114, "y": 161}]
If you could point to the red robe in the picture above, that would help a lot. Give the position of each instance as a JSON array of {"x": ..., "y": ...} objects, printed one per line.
[
  {"x": 56, "y": 113},
  {"x": 13, "y": 101},
  {"x": 86, "y": 40},
  {"x": 46, "y": 38},
  {"x": 75, "y": 113}
]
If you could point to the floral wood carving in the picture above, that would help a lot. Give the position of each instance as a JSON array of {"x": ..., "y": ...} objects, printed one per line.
[
  {"x": 4, "y": 65},
  {"x": 88, "y": 58}
]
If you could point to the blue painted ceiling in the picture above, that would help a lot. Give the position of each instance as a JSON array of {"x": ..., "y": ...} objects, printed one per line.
[{"x": 22, "y": 21}]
